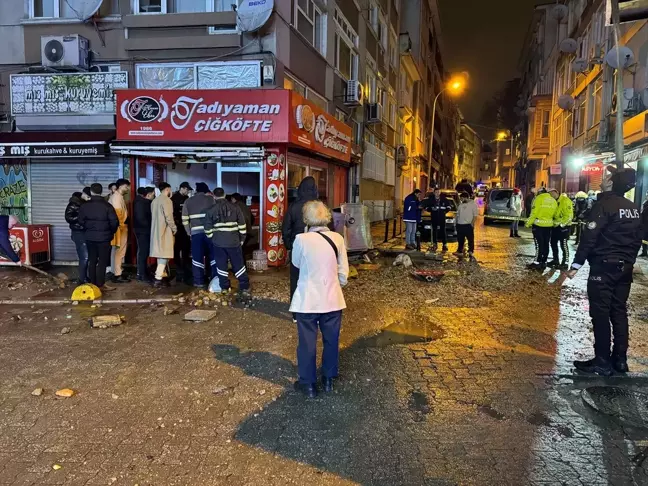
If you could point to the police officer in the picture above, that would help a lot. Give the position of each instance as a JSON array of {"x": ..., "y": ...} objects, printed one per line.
[
  {"x": 610, "y": 242},
  {"x": 182, "y": 245},
  {"x": 193, "y": 220}
]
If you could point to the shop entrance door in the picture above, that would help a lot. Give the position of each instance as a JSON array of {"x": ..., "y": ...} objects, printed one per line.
[{"x": 248, "y": 182}]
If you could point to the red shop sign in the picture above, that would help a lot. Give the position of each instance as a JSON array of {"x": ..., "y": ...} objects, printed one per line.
[
  {"x": 240, "y": 116},
  {"x": 592, "y": 168},
  {"x": 314, "y": 129}
]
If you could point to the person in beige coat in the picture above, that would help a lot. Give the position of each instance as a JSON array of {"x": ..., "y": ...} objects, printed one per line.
[
  {"x": 119, "y": 242},
  {"x": 163, "y": 230}
]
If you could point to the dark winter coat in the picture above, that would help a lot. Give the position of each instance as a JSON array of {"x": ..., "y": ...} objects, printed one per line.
[
  {"x": 225, "y": 224},
  {"x": 5, "y": 245},
  {"x": 72, "y": 213},
  {"x": 411, "y": 210},
  {"x": 98, "y": 219},
  {"x": 178, "y": 201},
  {"x": 293, "y": 223},
  {"x": 464, "y": 187},
  {"x": 142, "y": 216},
  {"x": 437, "y": 207}
]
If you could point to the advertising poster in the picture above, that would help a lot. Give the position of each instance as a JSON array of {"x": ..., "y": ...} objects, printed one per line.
[{"x": 275, "y": 205}]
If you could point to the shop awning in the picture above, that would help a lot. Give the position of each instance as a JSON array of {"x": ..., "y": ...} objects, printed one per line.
[
  {"x": 44, "y": 144},
  {"x": 198, "y": 153}
]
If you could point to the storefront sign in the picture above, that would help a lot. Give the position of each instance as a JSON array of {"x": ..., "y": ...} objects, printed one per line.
[
  {"x": 65, "y": 94},
  {"x": 316, "y": 130},
  {"x": 240, "y": 116},
  {"x": 275, "y": 205},
  {"x": 592, "y": 168},
  {"x": 555, "y": 169},
  {"x": 98, "y": 149}
]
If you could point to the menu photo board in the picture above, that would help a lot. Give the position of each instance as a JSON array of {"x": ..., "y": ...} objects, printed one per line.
[{"x": 275, "y": 205}]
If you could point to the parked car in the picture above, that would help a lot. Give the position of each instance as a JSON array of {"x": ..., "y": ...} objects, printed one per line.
[
  {"x": 425, "y": 226},
  {"x": 497, "y": 205},
  {"x": 482, "y": 190}
]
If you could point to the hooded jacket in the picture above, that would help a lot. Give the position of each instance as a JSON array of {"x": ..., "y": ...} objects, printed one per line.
[
  {"x": 543, "y": 211},
  {"x": 293, "y": 223},
  {"x": 225, "y": 224},
  {"x": 565, "y": 212},
  {"x": 142, "y": 216},
  {"x": 72, "y": 213},
  {"x": 99, "y": 220},
  {"x": 411, "y": 209}
]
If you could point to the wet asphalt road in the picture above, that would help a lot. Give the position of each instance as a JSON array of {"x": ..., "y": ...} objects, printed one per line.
[{"x": 467, "y": 381}]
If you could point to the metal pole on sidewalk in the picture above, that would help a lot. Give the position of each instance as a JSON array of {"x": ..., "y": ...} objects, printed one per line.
[
  {"x": 618, "y": 135},
  {"x": 386, "y": 231},
  {"x": 394, "y": 229}
]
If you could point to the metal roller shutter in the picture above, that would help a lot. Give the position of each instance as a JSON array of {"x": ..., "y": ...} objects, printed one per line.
[{"x": 52, "y": 184}]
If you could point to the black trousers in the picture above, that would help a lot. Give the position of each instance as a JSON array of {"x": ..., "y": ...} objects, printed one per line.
[
  {"x": 608, "y": 288},
  {"x": 439, "y": 232},
  {"x": 466, "y": 232},
  {"x": 98, "y": 260},
  {"x": 542, "y": 238},
  {"x": 559, "y": 237},
  {"x": 294, "y": 277},
  {"x": 143, "y": 250},
  {"x": 182, "y": 256}
]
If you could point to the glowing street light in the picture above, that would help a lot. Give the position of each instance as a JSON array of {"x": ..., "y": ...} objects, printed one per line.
[
  {"x": 455, "y": 87},
  {"x": 578, "y": 161}
]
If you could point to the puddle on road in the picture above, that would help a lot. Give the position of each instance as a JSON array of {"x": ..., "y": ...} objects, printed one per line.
[{"x": 402, "y": 333}]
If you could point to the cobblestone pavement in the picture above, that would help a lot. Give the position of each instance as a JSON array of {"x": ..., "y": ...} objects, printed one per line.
[{"x": 464, "y": 382}]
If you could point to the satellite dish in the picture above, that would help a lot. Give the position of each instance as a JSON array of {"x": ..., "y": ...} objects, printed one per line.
[
  {"x": 580, "y": 65},
  {"x": 568, "y": 45},
  {"x": 254, "y": 14},
  {"x": 626, "y": 55},
  {"x": 53, "y": 50},
  {"x": 83, "y": 9},
  {"x": 566, "y": 102},
  {"x": 559, "y": 12}
]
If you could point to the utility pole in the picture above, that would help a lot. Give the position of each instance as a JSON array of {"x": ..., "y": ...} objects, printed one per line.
[{"x": 618, "y": 135}]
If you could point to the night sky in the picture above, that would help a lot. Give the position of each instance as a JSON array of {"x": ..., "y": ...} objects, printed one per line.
[{"x": 483, "y": 37}]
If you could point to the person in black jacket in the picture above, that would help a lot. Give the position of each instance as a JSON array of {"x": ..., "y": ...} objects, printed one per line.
[
  {"x": 644, "y": 228},
  {"x": 239, "y": 200},
  {"x": 182, "y": 244},
  {"x": 142, "y": 226},
  {"x": 99, "y": 220},
  {"x": 610, "y": 242},
  {"x": 464, "y": 186},
  {"x": 78, "y": 236},
  {"x": 293, "y": 223},
  {"x": 438, "y": 205}
]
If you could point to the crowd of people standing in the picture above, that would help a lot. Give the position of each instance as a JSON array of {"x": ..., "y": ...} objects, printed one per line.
[{"x": 203, "y": 233}]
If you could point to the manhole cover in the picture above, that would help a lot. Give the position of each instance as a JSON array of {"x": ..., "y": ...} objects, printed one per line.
[{"x": 627, "y": 405}]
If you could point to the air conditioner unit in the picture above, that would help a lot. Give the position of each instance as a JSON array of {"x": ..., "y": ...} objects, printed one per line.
[
  {"x": 629, "y": 104},
  {"x": 374, "y": 113},
  {"x": 105, "y": 68},
  {"x": 354, "y": 94},
  {"x": 65, "y": 51}
]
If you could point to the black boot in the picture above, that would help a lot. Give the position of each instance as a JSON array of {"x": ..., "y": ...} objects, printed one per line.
[
  {"x": 553, "y": 264},
  {"x": 619, "y": 361},
  {"x": 327, "y": 384},
  {"x": 516, "y": 235},
  {"x": 598, "y": 365},
  {"x": 310, "y": 390},
  {"x": 511, "y": 235}
]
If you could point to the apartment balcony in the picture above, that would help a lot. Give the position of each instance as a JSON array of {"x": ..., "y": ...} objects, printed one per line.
[
  {"x": 538, "y": 148},
  {"x": 408, "y": 61},
  {"x": 162, "y": 32}
]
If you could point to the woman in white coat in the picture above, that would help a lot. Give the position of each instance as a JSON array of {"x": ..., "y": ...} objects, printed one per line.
[
  {"x": 321, "y": 257},
  {"x": 516, "y": 209}
]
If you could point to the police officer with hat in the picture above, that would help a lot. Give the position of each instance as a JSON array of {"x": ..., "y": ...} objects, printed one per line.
[{"x": 610, "y": 242}]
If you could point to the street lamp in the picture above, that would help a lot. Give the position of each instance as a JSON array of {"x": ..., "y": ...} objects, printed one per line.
[{"x": 455, "y": 86}]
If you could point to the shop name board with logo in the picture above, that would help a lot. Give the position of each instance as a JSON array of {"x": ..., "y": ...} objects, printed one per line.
[
  {"x": 242, "y": 116},
  {"x": 592, "y": 168},
  {"x": 314, "y": 129},
  {"x": 65, "y": 94},
  {"x": 54, "y": 150}
]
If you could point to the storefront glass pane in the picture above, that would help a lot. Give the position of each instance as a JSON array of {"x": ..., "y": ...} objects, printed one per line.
[
  {"x": 296, "y": 174},
  {"x": 165, "y": 77},
  {"x": 321, "y": 177}
]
